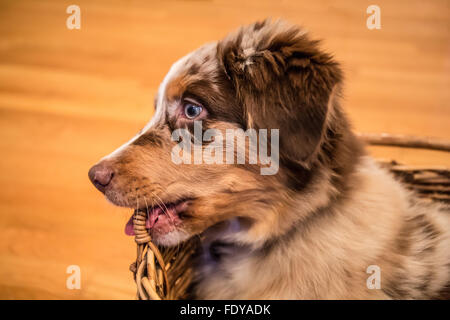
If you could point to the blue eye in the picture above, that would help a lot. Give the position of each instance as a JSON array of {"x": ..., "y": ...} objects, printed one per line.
[{"x": 191, "y": 110}]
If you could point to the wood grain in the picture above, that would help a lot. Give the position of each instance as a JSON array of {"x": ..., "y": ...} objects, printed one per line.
[{"x": 68, "y": 97}]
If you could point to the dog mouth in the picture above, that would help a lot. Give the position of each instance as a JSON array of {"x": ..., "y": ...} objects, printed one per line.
[{"x": 161, "y": 218}]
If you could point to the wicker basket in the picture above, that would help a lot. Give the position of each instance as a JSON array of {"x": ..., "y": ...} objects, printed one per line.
[{"x": 166, "y": 273}]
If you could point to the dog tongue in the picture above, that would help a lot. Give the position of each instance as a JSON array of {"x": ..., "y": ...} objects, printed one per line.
[
  {"x": 152, "y": 216},
  {"x": 129, "y": 230}
]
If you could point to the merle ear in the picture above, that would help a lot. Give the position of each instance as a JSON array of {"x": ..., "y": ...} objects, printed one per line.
[{"x": 283, "y": 82}]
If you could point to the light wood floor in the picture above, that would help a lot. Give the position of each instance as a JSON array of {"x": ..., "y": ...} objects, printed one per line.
[{"x": 69, "y": 97}]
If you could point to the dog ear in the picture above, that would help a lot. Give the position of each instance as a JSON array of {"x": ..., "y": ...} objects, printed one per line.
[{"x": 283, "y": 82}]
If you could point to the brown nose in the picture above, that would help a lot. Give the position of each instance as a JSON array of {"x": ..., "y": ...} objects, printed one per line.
[{"x": 101, "y": 175}]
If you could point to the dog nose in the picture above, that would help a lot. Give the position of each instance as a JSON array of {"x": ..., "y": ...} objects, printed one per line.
[{"x": 101, "y": 175}]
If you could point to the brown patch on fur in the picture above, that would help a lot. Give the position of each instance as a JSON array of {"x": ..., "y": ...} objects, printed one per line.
[
  {"x": 176, "y": 87},
  {"x": 416, "y": 242},
  {"x": 149, "y": 138},
  {"x": 285, "y": 82},
  {"x": 444, "y": 293}
]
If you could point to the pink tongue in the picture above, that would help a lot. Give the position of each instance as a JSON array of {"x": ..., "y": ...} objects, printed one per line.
[{"x": 129, "y": 227}]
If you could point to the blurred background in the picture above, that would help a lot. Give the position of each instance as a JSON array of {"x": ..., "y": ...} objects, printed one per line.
[{"x": 69, "y": 97}]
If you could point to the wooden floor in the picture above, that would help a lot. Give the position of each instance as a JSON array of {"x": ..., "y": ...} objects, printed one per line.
[{"x": 68, "y": 97}]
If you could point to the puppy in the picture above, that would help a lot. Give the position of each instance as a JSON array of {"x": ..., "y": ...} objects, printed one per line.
[{"x": 314, "y": 229}]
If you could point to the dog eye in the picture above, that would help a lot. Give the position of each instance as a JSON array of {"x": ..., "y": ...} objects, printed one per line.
[{"x": 192, "y": 111}]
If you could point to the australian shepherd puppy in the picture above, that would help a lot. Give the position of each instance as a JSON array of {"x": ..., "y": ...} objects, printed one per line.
[{"x": 319, "y": 227}]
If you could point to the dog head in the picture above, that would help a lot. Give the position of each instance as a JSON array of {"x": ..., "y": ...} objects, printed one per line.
[{"x": 267, "y": 77}]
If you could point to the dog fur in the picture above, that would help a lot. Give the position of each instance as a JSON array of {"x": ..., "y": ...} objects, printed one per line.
[{"x": 308, "y": 232}]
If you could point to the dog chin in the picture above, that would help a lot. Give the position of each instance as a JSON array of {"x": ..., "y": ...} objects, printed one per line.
[{"x": 171, "y": 238}]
